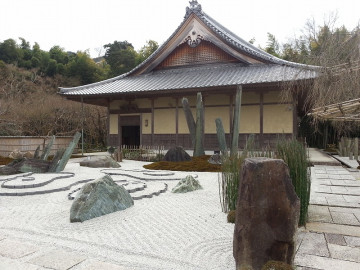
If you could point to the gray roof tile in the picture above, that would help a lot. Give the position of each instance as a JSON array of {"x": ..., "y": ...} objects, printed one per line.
[{"x": 196, "y": 77}]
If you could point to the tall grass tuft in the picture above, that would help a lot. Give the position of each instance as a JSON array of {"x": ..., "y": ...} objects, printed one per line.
[
  {"x": 231, "y": 173},
  {"x": 229, "y": 181},
  {"x": 294, "y": 155}
]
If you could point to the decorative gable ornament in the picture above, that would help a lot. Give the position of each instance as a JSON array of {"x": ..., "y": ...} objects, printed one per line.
[{"x": 193, "y": 40}]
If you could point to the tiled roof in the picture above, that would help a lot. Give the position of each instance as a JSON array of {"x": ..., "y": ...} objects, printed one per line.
[{"x": 196, "y": 77}]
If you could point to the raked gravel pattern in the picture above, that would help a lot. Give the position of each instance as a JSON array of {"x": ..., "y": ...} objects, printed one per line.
[{"x": 170, "y": 231}]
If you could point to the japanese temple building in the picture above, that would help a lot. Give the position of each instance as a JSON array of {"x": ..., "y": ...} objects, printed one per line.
[{"x": 144, "y": 105}]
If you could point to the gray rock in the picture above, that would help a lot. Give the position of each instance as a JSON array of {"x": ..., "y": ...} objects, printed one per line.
[
  {"x": 215, "y": 159},
  {"x": 187, "y": 184},
  {"x": 16, "y": 154},
  {"x": 267, "y": 214},
  {"x": 99, "y": 198},
  {"x": 99, "y": 162},
  {"x": 177, "y": 154},
  {"x": 28, "y": 155}
]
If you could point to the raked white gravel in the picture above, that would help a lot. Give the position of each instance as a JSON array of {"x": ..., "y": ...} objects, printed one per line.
[{"x": 169, "y": 231}]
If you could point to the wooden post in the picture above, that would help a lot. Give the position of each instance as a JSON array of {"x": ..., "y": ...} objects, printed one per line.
[
  {"x": 261, "y": 139},
  {"x": 177, "y": 121},
  {"x": 152, "y": 121},
  {"x": 231, "y": 97}
]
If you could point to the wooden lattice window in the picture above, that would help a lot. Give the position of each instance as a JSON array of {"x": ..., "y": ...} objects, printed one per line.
[{"x": 205, "y": 52}]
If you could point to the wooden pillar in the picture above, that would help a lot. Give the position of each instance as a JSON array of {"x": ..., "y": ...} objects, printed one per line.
[
  {"x": 119, "y": 130},
  {"x": 152, "y": 121},
  {"x": 231, "y": 97},
  {"x": 177, "y": 121},
  {"x": 203, "y": 120},
  {"x": 141, "y": 128},
  {"x": 295, "y": 119},
  {"x": 108, "y": 125},
  {"x": 261, "y": 138}
]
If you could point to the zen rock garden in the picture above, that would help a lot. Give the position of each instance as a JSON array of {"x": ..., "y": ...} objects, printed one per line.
[{"x": 267, "y": 209}]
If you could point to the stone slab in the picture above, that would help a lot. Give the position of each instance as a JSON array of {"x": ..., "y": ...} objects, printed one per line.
[
  {"x": 333, "y": 228},
  {"x": 11, "y": 264},
  {"x": 15, "y": 249},
  {"x": 58, "y": 259},
  {"x": 336, "y": 239},
  {"x": 314, "y": 243},
  {"x": 345, "y": 218},
  {"x": 342, "y": 204},
  {"x": 319, "y": 213},
  {"x": 322, "y": 176},
  {"x": 352, "y": 241},
  {"x": 318, "y": 200},
  {"x": 325, "y": 189},
  {"x": 352, "y": 199},
  {"x": 339, "y": 190},
  {"x": 299, "y": 238},
  {"x": 334, "y": 197},
  {"x": 344, "y": 253},
  {"x": 345, "y": 210},
  {"x": 318, "y": 262},
  {"x": 105, "y": 266}
]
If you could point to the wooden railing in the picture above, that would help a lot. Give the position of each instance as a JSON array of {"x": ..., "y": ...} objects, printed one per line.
[{"x": 142, "y": 152}]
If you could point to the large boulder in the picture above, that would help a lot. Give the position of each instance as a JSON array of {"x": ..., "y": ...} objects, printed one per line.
[
  {"x": 176, "y": 154},
  {"x": 187, "y": 184},
  {"x": 99, "y": 162},
  {"x": 99, "y": 198},
  {"x": 267, "y": 214}
]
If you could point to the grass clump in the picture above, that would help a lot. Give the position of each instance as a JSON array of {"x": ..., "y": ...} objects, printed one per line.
[
  {"x": 231, "y": 216},
  {"x": 276, "y": 265},
  {"x": 229, "y": 181},
  {"x": 196, "y": 164},
  {"x": 294, "y": 155}
]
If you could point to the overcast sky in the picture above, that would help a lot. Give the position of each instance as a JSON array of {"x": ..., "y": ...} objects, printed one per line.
[{"x": 89, "y": 24}]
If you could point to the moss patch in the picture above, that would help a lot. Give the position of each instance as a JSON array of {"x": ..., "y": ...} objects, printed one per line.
[
  {"x": 276, "y": 265},
  {"x": 5, "y": 160},
  {"x": 231, "y": 216},
  {"x": 196, "y": 164}
]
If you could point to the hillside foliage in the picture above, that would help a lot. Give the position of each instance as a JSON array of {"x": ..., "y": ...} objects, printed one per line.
[{"x": 29, "y": 82}]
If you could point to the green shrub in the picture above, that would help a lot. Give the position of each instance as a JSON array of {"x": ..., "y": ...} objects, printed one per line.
[{"x": 294, "y": 155}]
